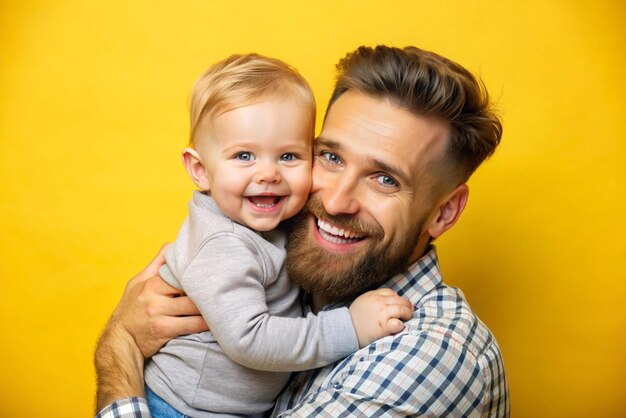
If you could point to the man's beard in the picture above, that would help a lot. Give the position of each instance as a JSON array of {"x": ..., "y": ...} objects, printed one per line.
[{"x": 337, "y": 276}]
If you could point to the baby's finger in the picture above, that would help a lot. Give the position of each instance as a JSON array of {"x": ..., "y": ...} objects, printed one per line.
[
  {"x": 398, "y": 300},
  {"x": 384, "y": 291},
  {"x": 399, "y": 311},
  {"x": 394, "y": 326}
]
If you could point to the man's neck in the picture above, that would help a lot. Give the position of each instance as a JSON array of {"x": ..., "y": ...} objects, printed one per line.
[{"x": 318, "y": 303}]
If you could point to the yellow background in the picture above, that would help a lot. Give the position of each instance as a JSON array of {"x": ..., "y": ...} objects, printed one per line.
[{"x": 93, "y": 117}]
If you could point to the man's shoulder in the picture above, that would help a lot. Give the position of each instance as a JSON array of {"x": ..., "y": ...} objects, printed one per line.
[
  {"x": 444, "y": 338},
  {"x": 443, "y": 319},
  {"x": 444, "y": 349},
  {"x": 444, "y": 314}
]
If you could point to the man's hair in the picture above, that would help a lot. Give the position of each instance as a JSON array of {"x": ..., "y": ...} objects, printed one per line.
[
  {"x": 427, "y": 84},
  {"x": 241, "y": 80}
]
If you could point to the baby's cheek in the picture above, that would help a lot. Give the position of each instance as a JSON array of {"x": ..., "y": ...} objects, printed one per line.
[
  {"x": 297, "y": 201},
  {"x": 301, "y": 185},
  {"x": 303, "y": 193}
]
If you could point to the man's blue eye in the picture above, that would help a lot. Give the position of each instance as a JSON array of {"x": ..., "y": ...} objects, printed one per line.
[
  {"x": 244, "y": 156},
  {"x": 288, "y": 157},
  {"x": 332, "y": 158},
  {"x": 386, "y": 181}
]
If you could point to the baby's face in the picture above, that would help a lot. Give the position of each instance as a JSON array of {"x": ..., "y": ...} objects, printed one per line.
[{"x": 258, "y": 161}]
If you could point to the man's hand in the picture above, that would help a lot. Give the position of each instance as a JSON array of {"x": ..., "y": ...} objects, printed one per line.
[
  {"x": 150, "y": 313},
  {"x": 153, "y": 312},
  {"x": 378, "y": 313}
]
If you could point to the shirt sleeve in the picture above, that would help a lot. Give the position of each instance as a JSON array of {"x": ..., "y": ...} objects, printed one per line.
[
  {"x": 225, "y": 281},
  {"x": 410, "y": 375},
  {"x": 126, "y": 408}
]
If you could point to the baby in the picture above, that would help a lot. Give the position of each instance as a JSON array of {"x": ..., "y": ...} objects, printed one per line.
[{"x": 252, "y": 126}]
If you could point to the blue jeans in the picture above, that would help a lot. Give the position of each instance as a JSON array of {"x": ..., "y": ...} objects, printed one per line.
[{"x": 159, "y": 408}]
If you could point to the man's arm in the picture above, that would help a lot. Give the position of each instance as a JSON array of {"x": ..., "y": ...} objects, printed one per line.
[
  {"x": 150, "y": 313},
  {"x": 119, "y": 366}
]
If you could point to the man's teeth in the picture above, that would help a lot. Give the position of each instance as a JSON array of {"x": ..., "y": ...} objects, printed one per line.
[{"x": 336, "y": 235}]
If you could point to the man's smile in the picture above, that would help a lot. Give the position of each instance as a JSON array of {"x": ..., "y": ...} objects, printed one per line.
[
  {"x": 336, "y": 238},
  {"x": 337, "y": 235}
]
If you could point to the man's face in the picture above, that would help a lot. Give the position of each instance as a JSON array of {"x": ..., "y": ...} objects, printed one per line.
[{"x": 375, "y": 191}]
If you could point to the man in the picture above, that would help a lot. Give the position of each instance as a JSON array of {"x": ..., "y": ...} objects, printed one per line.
[{"x": 404, "y": 130}]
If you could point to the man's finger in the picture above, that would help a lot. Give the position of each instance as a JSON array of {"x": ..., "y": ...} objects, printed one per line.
[
  {"x": 182, "y": 306},
  {"x": 152, "y": 269},
  {"x": 161, "y": 287},
  {"x": 190, "y": 324}
]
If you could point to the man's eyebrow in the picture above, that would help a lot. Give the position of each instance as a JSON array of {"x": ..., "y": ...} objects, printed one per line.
[
  {"x": 327, "y": 142},
  {"x": 373, "y": 161},
  {"x": 394, "y": 171}
]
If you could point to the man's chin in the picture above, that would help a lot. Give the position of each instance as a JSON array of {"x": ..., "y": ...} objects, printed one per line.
[
  {"x": 327, "y": 269},
  {"x": 335, "y": 271}
]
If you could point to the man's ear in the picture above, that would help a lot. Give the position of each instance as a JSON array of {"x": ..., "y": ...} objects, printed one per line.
[
  {"x": 449, "y": 211},
  {"x": 196, "y": 169}
]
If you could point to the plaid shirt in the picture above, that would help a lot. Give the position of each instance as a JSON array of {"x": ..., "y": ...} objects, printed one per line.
[
  {"x": 446, "y": 362},
  {"x": 126, "y": 408}
]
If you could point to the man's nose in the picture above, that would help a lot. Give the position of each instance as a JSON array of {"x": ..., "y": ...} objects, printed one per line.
[
  {"x": 267, "y": 172},
  {"x": 341, "y": 196}
]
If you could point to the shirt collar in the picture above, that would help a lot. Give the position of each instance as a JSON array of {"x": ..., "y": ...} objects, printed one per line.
[{"x": 419, "y": 278}]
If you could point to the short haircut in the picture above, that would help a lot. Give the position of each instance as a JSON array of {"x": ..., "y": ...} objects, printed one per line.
[
  {"x": 427, "y": 84},
  {"x": 241, "y": 80}
]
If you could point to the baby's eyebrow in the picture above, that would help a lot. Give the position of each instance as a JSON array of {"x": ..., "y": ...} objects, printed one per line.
[{"x": 241, "y": 145}]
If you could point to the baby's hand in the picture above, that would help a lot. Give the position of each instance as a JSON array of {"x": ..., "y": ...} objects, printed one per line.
[{"x": 377, "y": 313}]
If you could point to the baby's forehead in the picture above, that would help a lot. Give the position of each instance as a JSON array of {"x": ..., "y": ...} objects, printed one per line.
[
  {"x": 291, "y": 98},
  {"x": 275, "y": 123}
]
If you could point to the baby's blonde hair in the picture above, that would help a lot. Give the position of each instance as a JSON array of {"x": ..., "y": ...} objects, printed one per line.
[{"x": 241, "y": 80}]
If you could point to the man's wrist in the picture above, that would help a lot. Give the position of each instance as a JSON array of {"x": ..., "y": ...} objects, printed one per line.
[{"x": 119, "y": 366}]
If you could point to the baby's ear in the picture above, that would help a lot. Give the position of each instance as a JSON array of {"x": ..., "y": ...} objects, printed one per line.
[{"x": 196, "y": 169}]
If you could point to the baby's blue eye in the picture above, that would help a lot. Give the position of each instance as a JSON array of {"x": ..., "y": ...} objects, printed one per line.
[
  {"x": 244, "y": 156},
  {"x": 288, "y": 157}
]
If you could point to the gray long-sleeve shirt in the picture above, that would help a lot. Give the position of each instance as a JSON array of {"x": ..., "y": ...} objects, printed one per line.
[{"x": 236, "y": 278}]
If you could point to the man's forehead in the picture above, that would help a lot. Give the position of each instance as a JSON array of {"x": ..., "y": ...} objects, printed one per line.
[{"x": 381, "y": 129}]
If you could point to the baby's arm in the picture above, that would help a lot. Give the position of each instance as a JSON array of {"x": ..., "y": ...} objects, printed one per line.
[
  {"x": 225, "y": 281},
  {"x": 230, "y": 295},
  {"x": 377, "y": 313}
]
